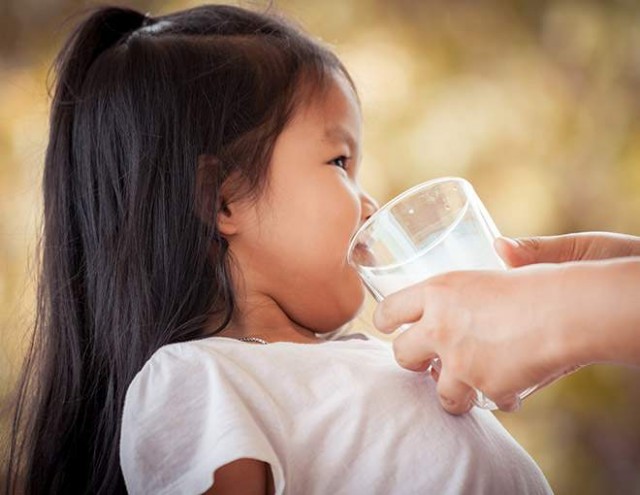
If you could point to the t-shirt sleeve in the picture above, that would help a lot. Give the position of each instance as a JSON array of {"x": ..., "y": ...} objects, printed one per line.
[{"x": 181, "y": 421}]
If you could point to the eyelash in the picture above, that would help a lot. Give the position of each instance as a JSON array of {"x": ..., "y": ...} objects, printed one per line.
[{"x": 343, "y": 159}]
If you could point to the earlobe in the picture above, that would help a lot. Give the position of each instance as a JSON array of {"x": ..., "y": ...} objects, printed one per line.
[
  {"x": 213, "y": 198},
  {"x": 226, "y": 220}
]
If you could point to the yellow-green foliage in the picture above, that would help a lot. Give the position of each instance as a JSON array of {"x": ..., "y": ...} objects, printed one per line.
[{"x": 536, "y": 102}]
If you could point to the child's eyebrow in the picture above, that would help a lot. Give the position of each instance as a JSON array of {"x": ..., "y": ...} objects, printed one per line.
[{"x": 341, "y": 134}]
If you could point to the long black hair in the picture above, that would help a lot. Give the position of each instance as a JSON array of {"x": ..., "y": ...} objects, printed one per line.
[{"x": 128, "y": 261}]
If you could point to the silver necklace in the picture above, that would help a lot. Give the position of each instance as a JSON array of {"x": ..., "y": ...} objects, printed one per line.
[{"x": 255, "y": 340}]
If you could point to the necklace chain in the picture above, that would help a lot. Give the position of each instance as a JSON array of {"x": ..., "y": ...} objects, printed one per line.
[{"x": 255, "y": 340}]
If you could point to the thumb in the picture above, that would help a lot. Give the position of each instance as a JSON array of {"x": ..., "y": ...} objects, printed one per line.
[
  {"x": 518, "y": 252},
  {"x": 530, "y": 250}
]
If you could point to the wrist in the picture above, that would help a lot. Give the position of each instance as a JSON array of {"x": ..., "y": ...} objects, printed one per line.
[
  {"x": 567, "y": 348},
  {"x": 550, "y": 294},
  {"x": 595, "y": 312}
]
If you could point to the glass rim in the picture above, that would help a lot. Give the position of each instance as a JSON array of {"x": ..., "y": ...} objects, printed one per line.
[{"x": 394, "y": 201}]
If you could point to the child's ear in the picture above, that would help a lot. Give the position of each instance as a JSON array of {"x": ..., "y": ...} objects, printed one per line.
[
  {"x": 228, "y": 216},
  {"x": 213, "y": 200}
]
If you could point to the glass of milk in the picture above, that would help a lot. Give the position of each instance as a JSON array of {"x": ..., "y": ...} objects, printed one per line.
[{"x": 435, "y": 227}]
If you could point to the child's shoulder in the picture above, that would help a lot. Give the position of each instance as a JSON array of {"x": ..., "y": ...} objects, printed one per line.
[
  {"x": 226, "y": 346},
  {"x": 197, "y": 348},
  {"x": 173, "y": 363},
  {"x": 177, "y": 375},
  {"x": 215, "y": 355}
]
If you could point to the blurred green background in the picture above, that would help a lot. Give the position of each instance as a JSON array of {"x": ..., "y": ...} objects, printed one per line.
[{"x": 537, "y": 103}]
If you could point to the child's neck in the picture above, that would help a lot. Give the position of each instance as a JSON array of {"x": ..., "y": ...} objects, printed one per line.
[{"x": 258, "y": 315}]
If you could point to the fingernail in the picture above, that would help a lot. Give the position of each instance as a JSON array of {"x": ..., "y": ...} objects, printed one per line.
[
  {"x": 447, "y": 402},
  {"x": 435, "y": 374},
  {"x": 512, "y": 406}
]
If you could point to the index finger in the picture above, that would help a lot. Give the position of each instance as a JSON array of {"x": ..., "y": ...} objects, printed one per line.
[{"x": 404, "y": 306}]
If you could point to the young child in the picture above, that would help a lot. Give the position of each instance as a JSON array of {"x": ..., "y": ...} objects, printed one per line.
[{"x": 200, "y": 193}]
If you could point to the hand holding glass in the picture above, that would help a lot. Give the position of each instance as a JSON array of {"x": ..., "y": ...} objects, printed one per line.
[{"x": 435, "y": 227}]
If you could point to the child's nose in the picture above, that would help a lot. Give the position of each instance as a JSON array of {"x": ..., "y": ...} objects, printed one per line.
[{"x": 369, "y": 206}]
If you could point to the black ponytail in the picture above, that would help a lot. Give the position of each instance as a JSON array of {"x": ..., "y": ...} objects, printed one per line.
[
  {"x": 52, "y": 452},
  {"x": 129, "y": 263},
  {"x": 102, "y": 29}
]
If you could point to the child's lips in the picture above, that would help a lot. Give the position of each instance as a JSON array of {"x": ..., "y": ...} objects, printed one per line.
[{"x": 362, "y": 255}]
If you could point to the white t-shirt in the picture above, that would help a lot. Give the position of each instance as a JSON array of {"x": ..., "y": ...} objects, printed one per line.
[{"x": 338, "y": 417}]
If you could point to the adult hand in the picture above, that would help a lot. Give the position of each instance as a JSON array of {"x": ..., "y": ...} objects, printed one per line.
[
  {"x": 503, "y": 332},
  {"x": 492, "y": 330}
]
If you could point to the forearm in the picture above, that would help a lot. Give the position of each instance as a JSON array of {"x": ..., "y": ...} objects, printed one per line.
[{"x": 598, "y": 312}]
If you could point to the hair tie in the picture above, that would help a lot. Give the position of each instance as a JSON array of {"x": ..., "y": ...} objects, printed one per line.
[
  {"x": 149, "y": 25},
  {"x": 154, "y": 26}
]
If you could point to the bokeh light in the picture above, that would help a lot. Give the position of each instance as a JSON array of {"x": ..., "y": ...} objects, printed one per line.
[{"x": 535, "y": 102}]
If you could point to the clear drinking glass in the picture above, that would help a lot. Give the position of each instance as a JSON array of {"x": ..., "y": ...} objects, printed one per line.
[{"x": 432, "y": 228}]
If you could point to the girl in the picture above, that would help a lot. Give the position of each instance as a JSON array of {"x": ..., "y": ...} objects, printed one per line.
[{"x": 200, "y": 193}]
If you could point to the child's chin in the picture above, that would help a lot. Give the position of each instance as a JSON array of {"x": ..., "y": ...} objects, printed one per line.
[
  {"x": 337, "y": 321},
  {"x": 355, "y": 307}
]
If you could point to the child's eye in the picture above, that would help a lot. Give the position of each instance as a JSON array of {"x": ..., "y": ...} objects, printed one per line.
[{"x": 340, "y": 161}]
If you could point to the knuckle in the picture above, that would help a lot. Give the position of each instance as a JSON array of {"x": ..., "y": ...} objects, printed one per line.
[
  {"x": 530, "y": 243},
  {"x": 444, "y": 281},
  {"x": 456, "y": 364},
  {"x": 490, "y": 389},
  {"x": 383, "y": 313},
  {"x": 409, "y": 355},
  {"x": 400, "y": 353},
  {"x": 437, "y": 319},
  {"x": 573, "y": 248},
  {"x": 481, "y": 383},
  {"x": 439, "y": 336}
]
